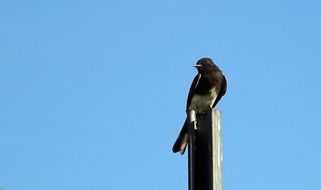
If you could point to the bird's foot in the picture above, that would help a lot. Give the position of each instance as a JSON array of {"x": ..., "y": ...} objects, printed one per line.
[{"x": 201, "y": 114}]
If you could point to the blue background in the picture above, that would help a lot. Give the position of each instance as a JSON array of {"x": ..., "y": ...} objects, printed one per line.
[{"x": 92, "y": 93}]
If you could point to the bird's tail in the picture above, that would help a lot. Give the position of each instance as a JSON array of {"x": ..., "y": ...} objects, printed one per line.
[{"x": 182, "y": 140}]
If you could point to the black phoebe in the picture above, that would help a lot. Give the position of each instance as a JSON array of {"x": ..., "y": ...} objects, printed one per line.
[{"x": 208, "y": 87}]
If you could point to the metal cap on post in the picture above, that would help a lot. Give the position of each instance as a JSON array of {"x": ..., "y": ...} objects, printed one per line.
[{"x": 205, "y": 152}]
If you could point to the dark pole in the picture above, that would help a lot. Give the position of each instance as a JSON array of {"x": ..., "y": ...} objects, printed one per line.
[{"x": 205, "y": 152}]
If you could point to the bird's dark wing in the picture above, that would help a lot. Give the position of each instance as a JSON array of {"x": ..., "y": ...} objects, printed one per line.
[
  {"x": 192, "y": 89},
  {"x": 222, "y": 91}
]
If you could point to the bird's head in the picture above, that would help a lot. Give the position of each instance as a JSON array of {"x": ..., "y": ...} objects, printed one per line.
[{"x": 205, "y": 64}]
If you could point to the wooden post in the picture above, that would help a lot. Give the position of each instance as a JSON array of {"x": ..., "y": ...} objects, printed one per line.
[{"x": 205, "y": 157}]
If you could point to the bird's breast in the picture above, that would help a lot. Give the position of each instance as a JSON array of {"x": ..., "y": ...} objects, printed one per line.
[{"x": 202, "y": 103}]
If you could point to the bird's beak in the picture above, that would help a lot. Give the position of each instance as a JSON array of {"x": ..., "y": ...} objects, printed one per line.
[{"x": 196, "y": 66}]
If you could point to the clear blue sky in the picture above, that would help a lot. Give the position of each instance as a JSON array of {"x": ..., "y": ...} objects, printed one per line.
[{"x": 92, "y": 93}]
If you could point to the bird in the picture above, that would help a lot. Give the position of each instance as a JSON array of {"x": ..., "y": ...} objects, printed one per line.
[{"x": 207, "y": 89}]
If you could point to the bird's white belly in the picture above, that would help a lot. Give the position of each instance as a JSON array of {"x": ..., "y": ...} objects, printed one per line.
[{"x": 203, "y": 103}]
